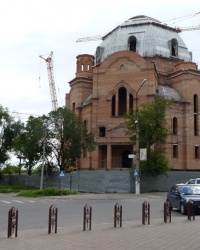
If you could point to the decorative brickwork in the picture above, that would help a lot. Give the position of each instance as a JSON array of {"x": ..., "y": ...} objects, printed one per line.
[{"x": 101, "y": 93}]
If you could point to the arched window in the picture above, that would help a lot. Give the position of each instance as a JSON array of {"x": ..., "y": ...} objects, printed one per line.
[
  {"x": 196, "y": 125},
  {"x": 132, "y": 43},
  {"x": 130, "y": 102},
  {"x": 175, "y": 126},
  {"x": 122, "y": 101},
  {"x": 113, "y": 105},
  {"x": 174, "y": 47}
]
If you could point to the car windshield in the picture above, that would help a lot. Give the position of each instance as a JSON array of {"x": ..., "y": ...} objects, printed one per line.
[{"x": 189, "y": 190}]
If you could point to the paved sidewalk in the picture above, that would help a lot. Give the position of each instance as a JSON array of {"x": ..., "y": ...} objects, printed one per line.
[
  {"x": 180, "y": 234},
  {"x": 110, "y": 196}
]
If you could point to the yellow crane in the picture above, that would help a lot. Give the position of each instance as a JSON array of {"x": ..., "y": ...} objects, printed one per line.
[{"x": 49, "y": 61}]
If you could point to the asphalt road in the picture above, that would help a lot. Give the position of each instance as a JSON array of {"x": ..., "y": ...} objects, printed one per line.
[{"x": 34, "y": 212}]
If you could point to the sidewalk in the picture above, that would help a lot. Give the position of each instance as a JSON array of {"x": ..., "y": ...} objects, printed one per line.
[
  {"x": 179, "y": 234},
  {"x": 110, "y": 196}
]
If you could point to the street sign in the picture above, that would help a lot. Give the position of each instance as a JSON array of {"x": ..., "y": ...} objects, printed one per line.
[
  {"x": 131, "y": 156},
  {"x": 135, "y": 172},
  {"x": 143, "y": 154},
  {"x": 62, "y": 173}
]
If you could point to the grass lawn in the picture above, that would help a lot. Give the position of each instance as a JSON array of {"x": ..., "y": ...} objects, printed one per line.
[{"x": 27, "y": 191}]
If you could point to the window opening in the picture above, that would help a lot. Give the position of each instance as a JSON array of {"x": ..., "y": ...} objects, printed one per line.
[
  {"x": 122, "y": 101},
  {"x": 175, "y": 126},
  {"x": 196, "y": 152},
  {"x": 113, "y": 105},
  {"x": 102, "y": 131},
  {"x": 196, "y": 125},
  {"x": 73, "y": 106},
  {"x": 133, "y": 44},
  {"x": 130, "y": 102},
  {"x": 86, "y": 123},
  {"x": 174, "y": 47},
  {"x": 175, "y": 151}
]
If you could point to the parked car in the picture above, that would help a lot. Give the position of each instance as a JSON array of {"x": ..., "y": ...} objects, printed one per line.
[
  {"x": 180, "y": 194},
  {"x": 193, "y": 181}
]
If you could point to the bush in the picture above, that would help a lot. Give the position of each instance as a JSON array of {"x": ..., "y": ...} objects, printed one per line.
[
  {"x": 46, "y": 192},
  {"x": 9, "y": 169}
]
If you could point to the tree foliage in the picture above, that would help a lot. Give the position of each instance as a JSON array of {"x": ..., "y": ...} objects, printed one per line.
[
  {"x": 58, "y": 137},
  {"x": 9, "y": 130},
  {"x": 152, "y": 132},
  {"x": 69, "y": 137},
  {"x": 29, "y": 144}
]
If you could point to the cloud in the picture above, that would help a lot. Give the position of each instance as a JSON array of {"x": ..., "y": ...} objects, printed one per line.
[{"x": 33, "y": 28}]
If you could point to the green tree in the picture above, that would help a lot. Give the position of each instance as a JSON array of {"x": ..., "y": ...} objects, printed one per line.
[
  {"x": 29, "y": 144},
  {"x": 9, "y": 130},
  {"x": 68, "y": 137},
  {"x": 152, "y": 131}
]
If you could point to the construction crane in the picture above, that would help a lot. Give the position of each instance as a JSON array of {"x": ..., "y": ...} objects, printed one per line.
[
  {"x": 91, "y": 38},
  {"x": 49, "y": 61},
  {"x": 100, "y": 37},
  {"x": 178, "y": 30}
]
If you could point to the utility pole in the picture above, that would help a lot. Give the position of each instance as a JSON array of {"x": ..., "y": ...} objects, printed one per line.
[
  {"x": 43, "y": 161},
  {"x": 137, "y": 177}
]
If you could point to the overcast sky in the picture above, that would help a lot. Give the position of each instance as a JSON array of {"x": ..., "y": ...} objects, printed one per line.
[{"x": 32, "y": 28}]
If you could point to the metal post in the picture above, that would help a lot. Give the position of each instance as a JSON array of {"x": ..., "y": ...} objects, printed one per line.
[
  {"x": 137, "y": 177},
  {"x": 117, "y": 215},
  {"x": 87, "y": 217},
  {"x": 53, "y": 218},
  {"x": 42, "y": 171},
  {"x": 167, "y": 211}
]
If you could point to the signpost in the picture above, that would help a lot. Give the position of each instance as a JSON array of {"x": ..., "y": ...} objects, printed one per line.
[{"x": 61, "y": 175}]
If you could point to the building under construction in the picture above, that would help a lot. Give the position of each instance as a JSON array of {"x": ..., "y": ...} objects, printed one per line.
[{"x": 105, "y": 87}]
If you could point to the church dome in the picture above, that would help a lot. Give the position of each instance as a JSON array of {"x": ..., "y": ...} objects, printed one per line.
[
  {"x": 146, "y": 36},
  {"x": 168, "y": 93}
]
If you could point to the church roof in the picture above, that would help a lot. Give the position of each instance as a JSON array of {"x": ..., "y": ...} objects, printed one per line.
[
  {"x": 168, "y": 93},
  {"x": 152, "y": 38}
]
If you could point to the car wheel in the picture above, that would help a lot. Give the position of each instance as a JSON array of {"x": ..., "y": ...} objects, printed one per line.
[{"x": 182, "y": 209}]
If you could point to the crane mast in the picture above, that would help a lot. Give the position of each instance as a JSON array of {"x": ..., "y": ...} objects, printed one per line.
[
  {"x": 49, "y": 61},
  {"x": 178, "y": 30}
]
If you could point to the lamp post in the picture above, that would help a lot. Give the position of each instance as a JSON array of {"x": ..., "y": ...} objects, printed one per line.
[{"x": 137, "y": 177}]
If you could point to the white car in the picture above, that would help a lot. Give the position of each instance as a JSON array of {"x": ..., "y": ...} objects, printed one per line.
[{"x": 193, "y": 181}]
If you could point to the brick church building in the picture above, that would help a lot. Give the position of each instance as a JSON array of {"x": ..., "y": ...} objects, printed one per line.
[{"x": 106, "y": 84}]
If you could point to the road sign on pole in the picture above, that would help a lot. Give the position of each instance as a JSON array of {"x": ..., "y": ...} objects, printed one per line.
[
  {"x": 62, "y": 173},
  {"x": 135, "y": 172}
]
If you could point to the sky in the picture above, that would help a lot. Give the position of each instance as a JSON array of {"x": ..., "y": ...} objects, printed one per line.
[{"x": 33, "y": 28}]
